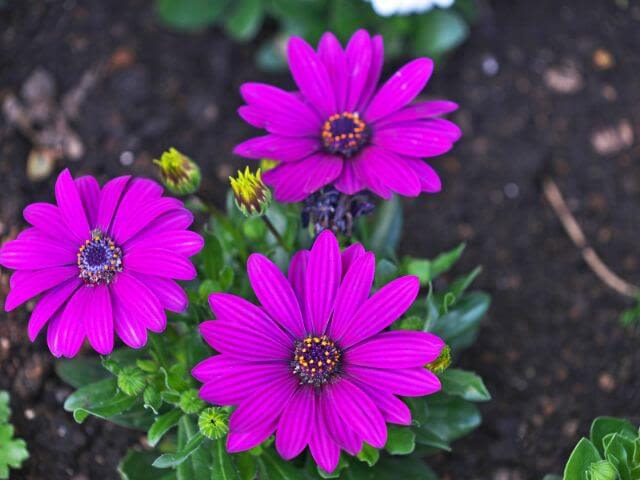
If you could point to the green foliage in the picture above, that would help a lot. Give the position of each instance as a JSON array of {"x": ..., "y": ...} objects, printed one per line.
[
  {"x": 431, "y": 34},
  {"x": 612, "y": 452},
  {"x": 13, "y": 451}
]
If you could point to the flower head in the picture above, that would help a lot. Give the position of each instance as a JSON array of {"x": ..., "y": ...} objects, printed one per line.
[
  {"x": 313, "y": 363},
  {"x": 252, "y": 196},
  {"x": 102, "y": 262},
  {"x": 179, "y": 173},
  {"x": 338, "y": 129}
]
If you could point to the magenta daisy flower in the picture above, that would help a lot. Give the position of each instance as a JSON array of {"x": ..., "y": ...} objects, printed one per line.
[
  {"x": 338, "y": 129},
  {"x": 313, "y": 364},
  {"x": 102, "y": 260}
]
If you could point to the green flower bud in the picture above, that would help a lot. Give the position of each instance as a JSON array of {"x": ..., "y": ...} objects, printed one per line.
[
  {"x": 251, "y": 195},
  {"x": 131, "y": 381},
  {"x": 602, "y": 470},
  {"x": 180, "y": 175},
  {"x": 213, "y": 423},
  {"x": 441, "y": 363},
  {"x": 190, "y": 402}
]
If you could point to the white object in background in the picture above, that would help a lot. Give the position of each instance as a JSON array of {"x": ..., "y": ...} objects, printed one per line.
[{"x": 386, "y": 8}]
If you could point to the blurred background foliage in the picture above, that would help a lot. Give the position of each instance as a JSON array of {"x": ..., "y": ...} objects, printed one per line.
[{"x": 431, "y": 33}]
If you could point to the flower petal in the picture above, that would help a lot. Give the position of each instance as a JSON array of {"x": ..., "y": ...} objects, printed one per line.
[
  {"x": 400, "y": 89},
  {"x": 275, "y": 294},
  {"x": 359, "y": 55},
  {"x": 396, "y": 349},
  {"x": 159, "y": 262},
  {"x": 297, "y": 276},
  {"x": 171, "y": 295},
  {"x": 26, "y": 284},
  {"x": 377, "y": 60},
  {"x": 36, "y": 253},
  {"x": 332, "y": 56},
  {"x": 353, "y": 291},
  {"x": 252, "y": 116},
  {"x": 70, "y": 206},
  {"x": 296, "y": 423},
  {"x": 135, "y": 214},
  {"x": 323, "y": 278},
  {"x": 181, "y": 242},
  {"x": 429, "y": 179},
  {"x": 139, "y": 301},
  {"x": 324, "y": 450},
  {"x": 49, "y": 304},
  {"x": 278, "y": 147},
  {"x": 339, "y": 429},
  {"x": 127, "y": 325},
  {"x": 418, "y": 111},
  {"x": 350, "y": 255},
  {"x": 383, "y": 308},
  {"x": 393, "y": 409},
  {"x": 415, "y": 139},
  {"x": 239, "y": 442},
  {"x": 348, "y": 182},
  {"x": 359, "y": 412},
  {"x": 66, "y": 330},
  {"x": 48, "y": 220},
  {"x": 174, "y": 220},
  {"x": 109, "y": 201},
  {"x": 325, "y": 169},
  {"x": 388, "y": 169},
  {"x": 289, "y": 179},
  {"x": 311, "y": 76},
  {"x": 98, "y": 318},
  {"x": 408, "y": 382},
  {"x": 89, "y": 191}
]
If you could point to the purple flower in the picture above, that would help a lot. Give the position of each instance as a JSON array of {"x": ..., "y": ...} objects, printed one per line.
[
  {"x": 102, "y": 260},
  {"x": 338, "y": 129},
  {"x": 312, "y": 364}
]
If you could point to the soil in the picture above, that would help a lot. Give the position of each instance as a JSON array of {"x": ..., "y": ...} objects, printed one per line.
[{"x": 545, "y": 88}]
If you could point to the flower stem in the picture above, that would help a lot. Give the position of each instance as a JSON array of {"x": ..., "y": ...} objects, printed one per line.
[{"x": 275, "y": 233}]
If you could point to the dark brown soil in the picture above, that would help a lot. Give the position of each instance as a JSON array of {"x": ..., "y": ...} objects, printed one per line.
[{"x": 548, "y": 87}]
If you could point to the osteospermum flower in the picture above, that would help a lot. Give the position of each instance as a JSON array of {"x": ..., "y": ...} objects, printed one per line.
[
  {"x": 313, "y": 364},
  {"x": 102, "y": 261},
  {"x": 338, "y": 129}
]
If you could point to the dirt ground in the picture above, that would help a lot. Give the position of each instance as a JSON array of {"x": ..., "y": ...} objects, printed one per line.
[{"x": 546, "y": 88}]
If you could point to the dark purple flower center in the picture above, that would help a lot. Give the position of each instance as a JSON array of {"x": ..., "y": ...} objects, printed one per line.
[
  {"x": 345, "y": 134},
  {"x": 316, "y": 360},
  {"x": 99, "y": 259}
]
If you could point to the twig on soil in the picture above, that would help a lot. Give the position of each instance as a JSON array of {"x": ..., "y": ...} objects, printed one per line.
[{"x": 571, "y": 226}]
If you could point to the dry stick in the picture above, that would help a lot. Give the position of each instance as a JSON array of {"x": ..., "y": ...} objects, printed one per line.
[{"x": 554, "y": 197}]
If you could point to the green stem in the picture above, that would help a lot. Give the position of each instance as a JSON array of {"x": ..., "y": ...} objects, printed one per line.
[
  {"x": 158, "y": 349},
  {"x": 275, "y": 233}
]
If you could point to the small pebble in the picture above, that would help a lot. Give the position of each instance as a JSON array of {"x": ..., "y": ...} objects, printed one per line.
[
  {"x": 511, "y": 190},
  {"x": 490, "y": 66},
  {"x": 126, "y": 158}
]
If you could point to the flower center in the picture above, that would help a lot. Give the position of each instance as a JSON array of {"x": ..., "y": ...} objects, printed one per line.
[
  {"x": 316, "y": 360},
  {"x": 99, "y": 259},
  {"x": 345, "y": 133}
]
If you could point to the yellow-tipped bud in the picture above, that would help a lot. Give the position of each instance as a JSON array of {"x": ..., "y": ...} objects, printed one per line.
[
  {"x": 180, "y": 175},
  {"x": 441, "y": 363},
  {"x": 252, "y": 196}
]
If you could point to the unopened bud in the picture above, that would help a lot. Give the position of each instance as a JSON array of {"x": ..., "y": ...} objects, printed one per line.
[
  {"x": 441, "y": 363},
  {"x": 252, "y": 196},
  {"x": 213, "y": 423},
  {"x": 179, "y": 174}
]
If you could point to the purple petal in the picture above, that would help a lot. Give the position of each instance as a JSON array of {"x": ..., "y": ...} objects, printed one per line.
[
  {"x": 332, "y": 56},
  {"x": 323, "y": 278},
  {"x": 358, "y": 411},
  {"x": 49, "y": 304},
  {"x": 311, "y": 76},
  {"x": 283, "y": 113},
  {"x": 159, "y": 262},
  {"x": 275, "y": 294},
  {"x": 408, "y": 382},
  {"x": 70, "y": 206},
  {"x": 277, "y": 147},
  {"x": 359, "y": 55},
  {"x": 353, "y": 291},
  {"x": 127, "y": 325},
  {"x": 324, "y": 450},
  {"x": 181, "y": 242},
  {"x": 390, "y": 170},
  {"x": 169, "y": 293},
  {"x": 26, "y": 284},
  {"x": 415, "y": 139},
  {"x": 393, "y": 409},
  {"x": 239, "y": 442},
  {"x": 325, "y": 169},
  {"x": 382, "y": 309},
  {"x": 418, "y": 111},
  {"x": 264, "y": 406},
  {"x": 139, "y": 301},
  {"x": 48, "y": 220},
  {"x": 174, "y": 220},
  {"x": 429, "y": 179},
  {"x": 133, "y": 216},
  {"x": 238, "y": 341},
  {"x": 233, "y": 309},
  {"x": 348, "y": 182},
  {"x": 288, "y": 180},
  {"x": 368, "y": 175},
  {"x": 296, "y": 423},
  {"x": 377, "y": 60},
  {"x": 211, "y": 367},
  {"x": 89, "y": 191},
  {"x": 66, "y": 329},
  {"x": 109, "y": 201},
  {"x": 252, "y": 116},
  {"x": 339, "y": 430},
  {"x": 402, "y": 349},
  {"x": 297, "y": 276},
  {"x": 98, "y": 317},
  {"x": 350, "y": 255},
  {"x": 400, "y": 89},
  {"x": 36, "y": 253}
]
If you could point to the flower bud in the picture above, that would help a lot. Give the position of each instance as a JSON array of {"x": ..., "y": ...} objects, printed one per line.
[
  {"x": 131, "y": 381},
  {"x": 441, "y": 363},
  {"x": 180, "y": 175},
  {"x": 213, "y": 423},
  {"x": 252, "y": 196},
  {"x": 190, "y": 402}
]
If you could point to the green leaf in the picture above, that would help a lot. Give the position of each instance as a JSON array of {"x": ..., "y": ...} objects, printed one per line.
[
  {"x": 212, "y": 257},
  {"x": 439, "y": 32},
  {"x": 603, "y": 426},
  {"x": 272, "y": 467},
  {"x": 391, "y": 468},
  {"x": 246, "y": 465},
  {"x": 162, "y": 425},
  {"x": 189, "y": 14},
  {"x": 459, "y": 326},
  {"x": 222, "y": 468},
  {"x": 428, "y": 270},
  {"x": 457, "y": 288},
  {"x": 131, "y": 380},
  {"x": 369, "y": 454},
  {"x": 168, "y": 460},
  {"x": 137, "y": 466},
  {"x": 464, "y": 384},
  {"x": 78, "y": 372},
  {"x": 13, "y": 451},
  {"x": 200, "y": 459},
  {"x": 450, "y": 417},
  {"x": 245, "y": 19},
  {"x": 101, "y": 399},
  {"x": 5, "y": 410},
  {"x": 400, "y": 441},
  {"x": 152, "y": 399},
  {"x": 386, "y": 271},
  {"x": 387, "y": 228},
  {"x": 582, "y": 456}
]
